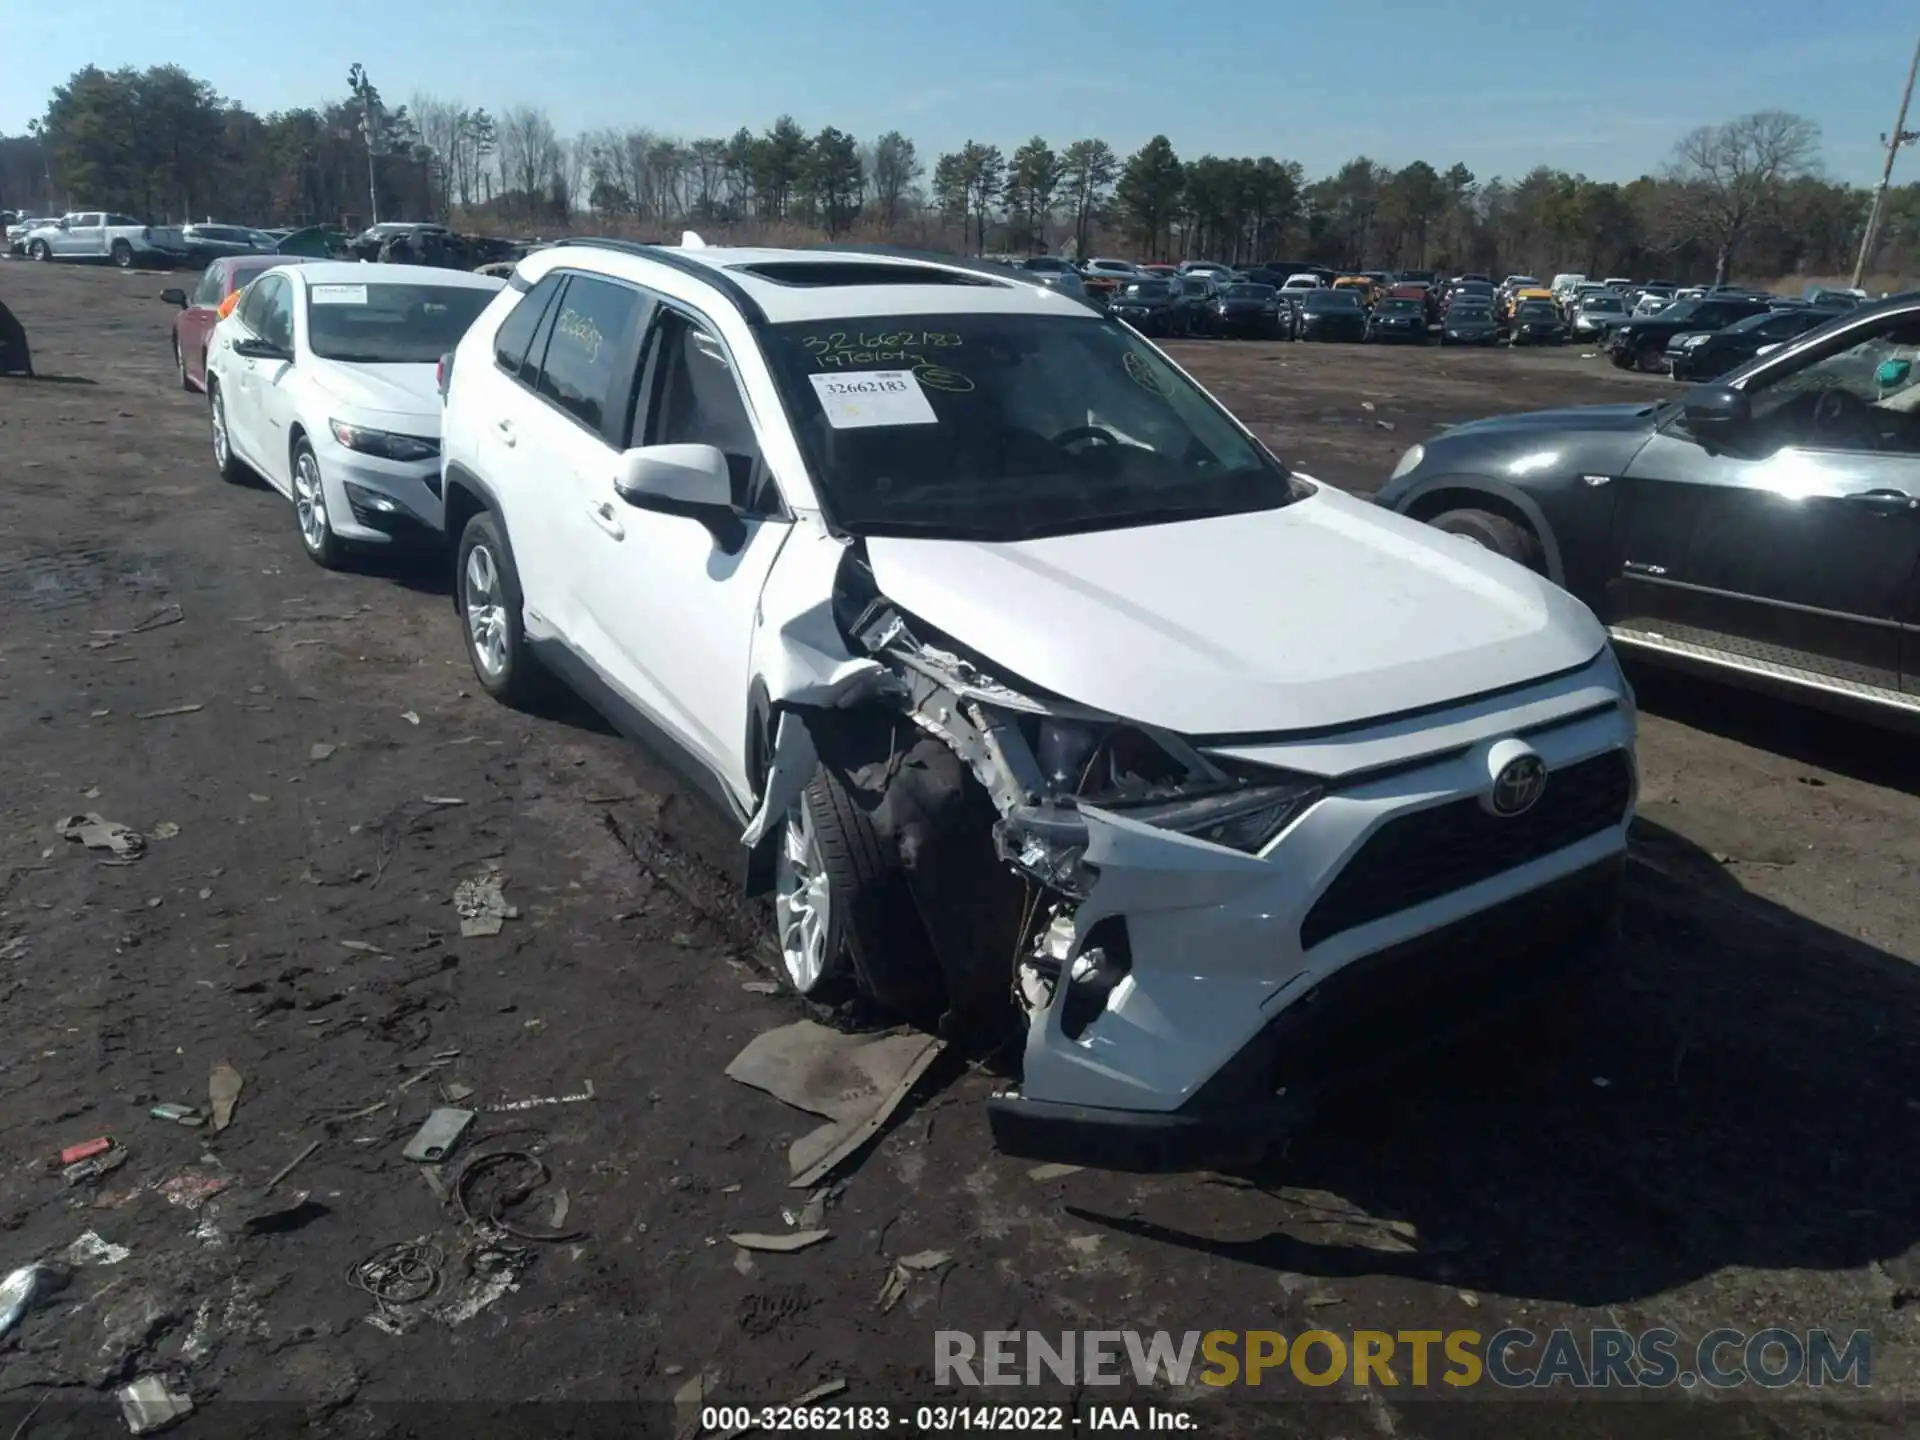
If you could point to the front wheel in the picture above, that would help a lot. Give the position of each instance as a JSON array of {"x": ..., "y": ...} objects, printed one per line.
[
  {"x": 122, "y": 254},
  {"x": 488, "y": 588},
  {"x": 323, "y": 547},
  {"x": 231, "y": 469},
  {"x": 1496, "y": 533},
  {"x": 1650, "y": 360},
  {"x": 38, "y": 251}
]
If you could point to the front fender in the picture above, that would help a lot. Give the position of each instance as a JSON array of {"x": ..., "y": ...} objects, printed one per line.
[{"x": 1406, "y": 501}]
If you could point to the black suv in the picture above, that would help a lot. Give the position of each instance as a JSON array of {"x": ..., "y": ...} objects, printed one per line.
[{"x": 1642, "y": 344}]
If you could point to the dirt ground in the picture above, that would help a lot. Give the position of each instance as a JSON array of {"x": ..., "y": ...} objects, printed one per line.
[{"x": 1726, "y": 1139}]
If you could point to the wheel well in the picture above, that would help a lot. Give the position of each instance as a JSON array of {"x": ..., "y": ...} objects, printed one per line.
[
  {"x": 296, "y": 437},
  {"x": 1438, "y": 502},
  {"x": 462, "y": 505}
]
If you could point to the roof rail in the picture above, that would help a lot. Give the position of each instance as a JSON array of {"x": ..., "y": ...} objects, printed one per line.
[
  {"x": 713, "y": 275},
  {"x": 930, "y": 257}
]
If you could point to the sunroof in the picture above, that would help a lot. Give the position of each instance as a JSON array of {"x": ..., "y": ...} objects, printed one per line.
[{"x": 810, "y": 273}]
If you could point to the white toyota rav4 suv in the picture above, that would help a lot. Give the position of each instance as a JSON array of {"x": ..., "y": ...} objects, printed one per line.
[{"x": 1036, "y": 685}]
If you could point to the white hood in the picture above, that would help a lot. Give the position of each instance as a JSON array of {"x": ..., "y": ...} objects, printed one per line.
[
  {"x": 1326, "y": 612},
  {"x": 392, "y": 391}
]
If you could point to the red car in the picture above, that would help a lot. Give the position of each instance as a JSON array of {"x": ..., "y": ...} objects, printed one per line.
[{"x": 200, "y": 311}]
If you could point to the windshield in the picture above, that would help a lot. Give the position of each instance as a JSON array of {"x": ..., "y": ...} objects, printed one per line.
[
  {"x": 1251, "y": 292},
  {"x": 1402, "y": 307},
  {"x": 1603, "y": 302},
  {"x": 1196, "y": 287},
  {"x": 1008, "y": 427},
  {"x": 1150, "y": 289},
  {"x": 1679, "y": 310},
  {"x": 1538, "y": 310},
  {"x": 386, "y": 324},
  {"x": 1469, "y": 313},
  {"x": 1331, "y": 300}
]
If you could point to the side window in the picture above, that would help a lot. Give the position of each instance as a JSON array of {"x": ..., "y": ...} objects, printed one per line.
[
  {"x": 212, "y": 287},
  {"x": 1862, "y": 396},
  {"x": 694, "y": 399},
  {"x": 276, "y": 316},
  {"x": 515, "y": 335},
  {"x": 253, "y": 304},
  {"x": 585, "y": 348},
  {"x": 87, "y": 220}
]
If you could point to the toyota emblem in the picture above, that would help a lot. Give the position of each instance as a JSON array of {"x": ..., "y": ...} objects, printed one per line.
[{"x": 1518, "y": 786}]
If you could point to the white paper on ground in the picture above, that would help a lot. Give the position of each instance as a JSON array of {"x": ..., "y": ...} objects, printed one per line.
[{"x": 861, "y": 399}]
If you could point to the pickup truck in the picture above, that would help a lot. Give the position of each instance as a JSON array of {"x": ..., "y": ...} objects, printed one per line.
[{"x": 102, "y": 235}]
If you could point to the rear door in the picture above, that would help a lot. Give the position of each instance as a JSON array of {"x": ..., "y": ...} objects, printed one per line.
[
  {"x": 195, "y": 324},
  {"x": 1797, "y": 547}
]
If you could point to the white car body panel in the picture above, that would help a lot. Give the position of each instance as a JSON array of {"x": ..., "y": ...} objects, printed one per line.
[{"x": 1155, "y": 623}]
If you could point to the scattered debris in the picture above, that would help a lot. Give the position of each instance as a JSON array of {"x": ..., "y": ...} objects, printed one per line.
[
  {"x": 442, "y": 801},
  {"x": 761, "y": 987},
  {"x": 1469, "y": 1299},
  {"x": 585, "y": 1093},
  {"x": 148, "y": 1405},
  {"x": 361, "y": 947},
  {"x": 178, "y": 1114},
  {"x": 410, "y": 717},
  {"x": 779, "y": 1244},
  {"x": 1601, "y": 1082},
  {"x": 322, "y": 751},
  {"x": 900, "y": 1277},
  {"x": 927, "y": 1260},
  {"x": 437, "y": 1138},
  {"x": 94, "y": 1167},
  {"x": 281, "y": 1217},
  {"x": 223, "y": 1093},
  {"x": 170, "y": 710},
  {"x": 85, "y": 1150},
  {"x": 98, "y": 834},
  {"x": 191, "y": 1189},
  {"x": 403, "y": 1273},
  {"x": 492, "y": 1271},
  {"x": 688, "y": 1402},
  {"x": 1366, "y": 405},
  {"x": 165, "y": 830},
  {"x": 456, "y": 1092},
  {"x": 854, "y": 1081},
  {"x": 1053, "y": 1172},
  {"x": 482, "y": 905},
  {"x": 288, "y": 1168},
  {"x": 23, "y": 1287},
  {"x": 1320, "y": 1299},
  {"x": 492, "y": 1204},
  {"x": 90, "y": 1249}
]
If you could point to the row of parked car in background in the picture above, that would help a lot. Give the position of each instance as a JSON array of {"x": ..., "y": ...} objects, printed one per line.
[{"x": 106, "y": 237}]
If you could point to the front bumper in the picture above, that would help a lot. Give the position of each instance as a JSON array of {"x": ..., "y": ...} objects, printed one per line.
[
  {"x": 376, "y": 502},
  {"x": 1696, "y": 364},
  {"x": 1378, "y": 1012},
  {"x": 1400, "y": 858}
]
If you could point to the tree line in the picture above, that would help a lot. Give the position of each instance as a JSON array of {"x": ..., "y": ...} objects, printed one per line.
[{"x": 1744, "y": 198}]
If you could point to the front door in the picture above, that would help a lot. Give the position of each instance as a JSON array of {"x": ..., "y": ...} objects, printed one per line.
[{"x": 1793, "y": 543}]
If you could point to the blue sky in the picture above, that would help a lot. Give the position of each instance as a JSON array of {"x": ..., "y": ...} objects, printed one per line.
[{"x": 1604, "y": 89}]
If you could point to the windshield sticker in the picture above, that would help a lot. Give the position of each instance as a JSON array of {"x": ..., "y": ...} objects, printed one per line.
[
  {"x": 580, "y": 329},
  {"x": 867, "y": 398},
  {"x": 1140, "y": 370},
  {"x": 843, "y": 350},
  {"x": 338, "y": 294}
]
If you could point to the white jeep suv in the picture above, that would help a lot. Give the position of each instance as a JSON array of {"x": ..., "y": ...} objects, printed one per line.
[{"x": 1036, "y": 685}]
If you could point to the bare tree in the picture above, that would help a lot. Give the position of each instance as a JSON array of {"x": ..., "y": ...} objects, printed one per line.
[
  {"x": 1731, "y": 176},
  {"x": 530, "y": 156},
  {"x": 439, "y": 124}
]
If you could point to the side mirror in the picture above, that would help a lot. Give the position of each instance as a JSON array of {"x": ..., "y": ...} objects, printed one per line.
[
  {"x": 693, "y": 482},
  {"x": 259, "y": 350},
  {"x": 1713, "y": 411},
  {"x": 174, "y": 295}
]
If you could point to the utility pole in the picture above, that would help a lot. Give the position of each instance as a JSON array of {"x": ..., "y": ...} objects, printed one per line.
[
  {"x": 1900, "y": 136},
  {"x": 363, "y": 87}
]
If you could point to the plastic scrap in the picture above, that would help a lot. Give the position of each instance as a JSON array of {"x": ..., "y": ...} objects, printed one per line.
[
  {"x": 94, "y": 1166},
  {"x": 439, "y": 1135},
  {"x": 90, "y": 1249},
  {"x": 477, "y": 1204},
  {"x": 178, "y": 1114},
  {"x": 900, "y": 1277},
  {"x": 95, "y": 833},
  {"x": 85, "y": 1150},
  {"x": 223, "y": 1093},
  {"x": 193, "y": 1188},
  {"x": 22, "y": 1288},
  {"x": 148, "y": 1405},
  {"x": 482, "y": 905},
  {"x": 779, "y": 1244}
]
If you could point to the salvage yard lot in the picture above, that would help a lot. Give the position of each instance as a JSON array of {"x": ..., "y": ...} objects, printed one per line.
[{"x": 1725, "y": 1140}]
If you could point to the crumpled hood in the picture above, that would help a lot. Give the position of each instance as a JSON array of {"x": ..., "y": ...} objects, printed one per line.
[
  {"x": 410, "y": 391},
  {"x": 1326, "y": 612}
]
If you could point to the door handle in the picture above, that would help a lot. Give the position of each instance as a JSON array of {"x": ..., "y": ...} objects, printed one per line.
[
  {"x": 605, "y": 517},
  {"x": 1887, "y": 502}
]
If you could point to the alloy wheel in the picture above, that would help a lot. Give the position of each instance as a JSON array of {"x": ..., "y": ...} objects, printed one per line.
[
  {"x": 486, "y": 612},
  {"x": 310, "y": 503},
  {"x": 222, "y": 447},
  {"x": 803, "y": 901}
]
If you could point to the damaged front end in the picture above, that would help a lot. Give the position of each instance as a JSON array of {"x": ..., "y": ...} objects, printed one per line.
[{"x": 1046, "y": 847}]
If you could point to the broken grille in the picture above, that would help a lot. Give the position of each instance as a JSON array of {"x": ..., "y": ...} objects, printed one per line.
[{"x": 1434, "y": 852}]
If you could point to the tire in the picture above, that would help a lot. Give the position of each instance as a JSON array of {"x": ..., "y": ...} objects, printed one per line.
[
  {"x": 317, "y": 537},
  {"x": 180, "y": 365},
  {"x": 1496, "y": 533},
  {"x": 872, "y": 937},
  {"x": 122, "y": 254},
  {"x": 38, "y": 251},
  {"x": 232, "y": 469},
  {"x": 516, "y": 679},
  {"x": 1651, "y": 359}
]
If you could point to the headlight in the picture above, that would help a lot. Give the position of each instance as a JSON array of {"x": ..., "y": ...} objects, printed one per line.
[
  {"x": 1409, "y": 461},
  {"x": 384, "y": 443},
  {"x": 1687, "y": 342}
]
